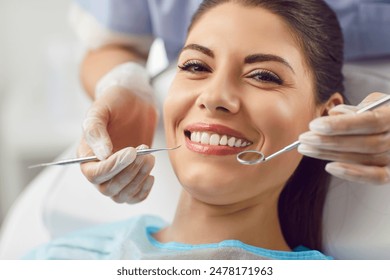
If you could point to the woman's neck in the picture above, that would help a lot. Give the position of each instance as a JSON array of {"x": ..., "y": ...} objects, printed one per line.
[{"x": 251, "y": 222}]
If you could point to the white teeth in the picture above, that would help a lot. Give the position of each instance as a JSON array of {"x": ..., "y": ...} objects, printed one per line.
[
  {"x": 204, "y": 139},
  {"x": 197, "y": 137},
  {"x": 223, "y": 140},
  {"x": 231, "y": 141},
  {"x": 216, "y": 139},
  {"x": 193, "y": 137}
]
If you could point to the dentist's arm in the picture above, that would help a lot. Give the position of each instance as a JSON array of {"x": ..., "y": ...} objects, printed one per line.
[
  {"x": 358, "y": 145},
  {"x": 122, "y": 115},
  {"x": 118, "y": 36},
  {"x": 99, "y": 62}
]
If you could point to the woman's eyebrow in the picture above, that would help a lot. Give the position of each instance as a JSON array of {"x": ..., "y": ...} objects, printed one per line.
[
  {"x": 248, "y": 60},
  {"x": 199, "y": 48},
  {"x": 266, "y": 57}
]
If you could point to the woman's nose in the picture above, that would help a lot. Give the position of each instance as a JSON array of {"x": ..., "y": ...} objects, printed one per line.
[{"x": 219, "y": 96}]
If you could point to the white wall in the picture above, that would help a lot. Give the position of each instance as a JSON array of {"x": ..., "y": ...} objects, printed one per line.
[
  {"x": 41, "y": 103},
  {"x": 26, "y": 27}
]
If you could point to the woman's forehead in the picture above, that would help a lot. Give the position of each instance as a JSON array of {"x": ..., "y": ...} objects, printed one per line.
[{"x": 244, "y": 30}]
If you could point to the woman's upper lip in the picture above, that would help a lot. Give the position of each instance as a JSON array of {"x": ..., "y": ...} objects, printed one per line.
[{"x": 217, "y": 128}]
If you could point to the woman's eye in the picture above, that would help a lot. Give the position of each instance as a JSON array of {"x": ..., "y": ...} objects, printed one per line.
[
  {"x": 194, "y": 67},
  {"x": 265, "y": 76}
]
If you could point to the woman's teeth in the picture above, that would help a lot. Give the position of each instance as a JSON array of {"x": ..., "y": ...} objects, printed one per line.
[{"x": 217, "y": 140}]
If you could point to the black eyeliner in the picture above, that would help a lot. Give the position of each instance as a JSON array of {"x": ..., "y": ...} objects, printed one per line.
[{"x": 268, "y": 75}]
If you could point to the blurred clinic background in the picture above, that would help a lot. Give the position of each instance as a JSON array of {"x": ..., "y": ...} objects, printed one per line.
[{"x": 41, "y": 101}]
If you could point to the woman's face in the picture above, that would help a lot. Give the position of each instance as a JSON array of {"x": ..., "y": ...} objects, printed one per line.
[{"x": 242, "y": 84}]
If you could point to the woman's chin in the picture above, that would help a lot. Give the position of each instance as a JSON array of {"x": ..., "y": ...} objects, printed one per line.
[{"x": 210, "y": 186}]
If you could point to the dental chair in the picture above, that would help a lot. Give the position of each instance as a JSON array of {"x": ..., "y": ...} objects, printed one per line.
[{"x": 60, "y": 199}]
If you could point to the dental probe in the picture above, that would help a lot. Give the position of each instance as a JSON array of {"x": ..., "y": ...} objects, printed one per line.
[
  {"x": 260, "y": 157},
  {"x": 94, "y": 158}
]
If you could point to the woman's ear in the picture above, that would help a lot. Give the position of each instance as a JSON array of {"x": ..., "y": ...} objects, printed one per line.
[{"x": 334, "y": 100}]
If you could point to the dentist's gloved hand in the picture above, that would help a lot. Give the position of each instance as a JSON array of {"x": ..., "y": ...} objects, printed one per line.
[
  {"x": 122, "y": 115},
  {"x": 122, "y": 176},
  {"x": 357, "y": 144}
]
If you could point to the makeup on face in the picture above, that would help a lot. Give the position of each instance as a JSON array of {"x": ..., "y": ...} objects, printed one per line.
[
  {"x": 214, "y": 139},
  {"x": 236, "y": 91}
]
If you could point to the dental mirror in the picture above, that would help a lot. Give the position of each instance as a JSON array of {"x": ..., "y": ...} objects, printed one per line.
[{"x": 251, "y": 157}]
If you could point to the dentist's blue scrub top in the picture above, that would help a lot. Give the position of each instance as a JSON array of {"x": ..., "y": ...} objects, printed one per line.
[
  {"x": 365, "y": 23},
  {"x": 132, "y": 239}
]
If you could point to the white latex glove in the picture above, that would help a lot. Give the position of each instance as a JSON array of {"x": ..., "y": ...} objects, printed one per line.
[
  {"x": 122, "y": 176},
  {"x": 357, "y": 144},
  {"x": 123, "y": 115}
]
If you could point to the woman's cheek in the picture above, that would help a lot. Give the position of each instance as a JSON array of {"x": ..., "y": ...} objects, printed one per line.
[
  {"x": 171, "y": 103},
  {"x": 180, "y": 99},
  {"x": 281, "y": 121},
  {"x": 176, "y": 106}
]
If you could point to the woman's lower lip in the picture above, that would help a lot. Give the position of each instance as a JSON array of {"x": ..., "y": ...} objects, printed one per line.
[{"x": 212, "y": 149}]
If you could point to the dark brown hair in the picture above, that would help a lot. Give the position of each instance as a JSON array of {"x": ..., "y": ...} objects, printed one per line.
[{"x": 318, "y": 33}]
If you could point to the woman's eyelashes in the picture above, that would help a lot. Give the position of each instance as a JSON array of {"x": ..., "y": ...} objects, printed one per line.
[
  {"x": 265, "y": 76},
  {"x": 260, "y": 75},
  {"x": 194, "y": 66}
]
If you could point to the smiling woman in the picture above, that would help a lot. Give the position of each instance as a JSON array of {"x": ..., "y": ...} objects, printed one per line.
[
  {"x": 248, "y": 68},
  {"x": 240, "y": 89}
]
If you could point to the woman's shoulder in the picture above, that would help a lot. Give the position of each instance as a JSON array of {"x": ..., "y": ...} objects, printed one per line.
[{"x": 99, "y": 242}]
